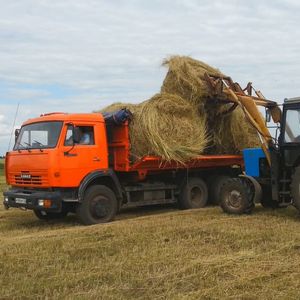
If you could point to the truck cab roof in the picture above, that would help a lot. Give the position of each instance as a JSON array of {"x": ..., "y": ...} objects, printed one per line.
[
  {"x": 60, "y": 116},
  {"x": 292, "y": 100}
]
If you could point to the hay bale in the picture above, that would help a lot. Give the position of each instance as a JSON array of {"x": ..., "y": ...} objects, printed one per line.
[
  {"x": 117, "y": 106},
  {"x": 229, "y": 133},
  {"x": 183, "y": 121},
  {"x": 166, "y": 126},
  {"x": 244, "y": 134},
  {"x": 232, "y": 133},
  {"x": 137, "y": 136},
  {"x": 185, "y": 78},
  {"x": 173, "y": 128}
]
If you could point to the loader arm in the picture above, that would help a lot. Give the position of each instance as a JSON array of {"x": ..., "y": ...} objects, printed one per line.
[{"x": 223, "y": 89}]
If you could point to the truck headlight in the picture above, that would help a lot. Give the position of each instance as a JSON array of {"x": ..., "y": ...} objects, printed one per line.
[
  {"x": 46, "y": 203},
  {"x": 5, "y": 199}
]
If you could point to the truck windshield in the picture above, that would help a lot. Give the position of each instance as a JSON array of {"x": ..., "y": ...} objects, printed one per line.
[{"x": 38, "y": 135}]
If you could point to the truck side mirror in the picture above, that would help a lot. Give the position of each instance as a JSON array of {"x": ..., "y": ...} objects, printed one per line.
[
  {"x": 268, "y": 116},
  {"x": 76, "y": 135},
  {"x": 17, "y": 132}
]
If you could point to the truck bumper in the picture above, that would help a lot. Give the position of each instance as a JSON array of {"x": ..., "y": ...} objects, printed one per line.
[{"x": 35, "y": 200}]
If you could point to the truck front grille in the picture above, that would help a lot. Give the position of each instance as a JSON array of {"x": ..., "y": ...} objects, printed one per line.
[
  {"x": 26, "y": 178},
  {"x": 33, "y": 180}
]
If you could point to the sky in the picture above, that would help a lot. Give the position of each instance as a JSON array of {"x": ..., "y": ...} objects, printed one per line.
[{"x": 81, "y": 55}]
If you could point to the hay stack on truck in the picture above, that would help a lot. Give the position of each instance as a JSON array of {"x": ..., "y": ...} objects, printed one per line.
[
  {"x": 274, "y": 169},
  {"x": 52, "y": 172}
]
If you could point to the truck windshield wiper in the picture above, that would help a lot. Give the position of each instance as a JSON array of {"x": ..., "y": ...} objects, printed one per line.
[
  {"x": 28, "y": 146},
  {"x": 23, "y": 147},
  {"x": 39, "y": 144}
]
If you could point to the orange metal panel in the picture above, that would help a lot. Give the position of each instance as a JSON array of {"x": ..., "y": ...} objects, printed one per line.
[{"x": 152, "y": 163}]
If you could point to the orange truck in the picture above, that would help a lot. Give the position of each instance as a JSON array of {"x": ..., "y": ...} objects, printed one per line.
[{"x": 81, "y": 163}]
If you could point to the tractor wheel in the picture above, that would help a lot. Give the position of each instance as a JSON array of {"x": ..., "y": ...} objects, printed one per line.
[
  {"x": 194, "y": 194},
  {"x": 236, "y": 196},
  {"x": 100, "y": 205},
  {"x": 43, "y": 215},
  {"x": 214, "y": 186},
  {"x": 295, "y": 188},
  {"x": 266, "y": 199}
]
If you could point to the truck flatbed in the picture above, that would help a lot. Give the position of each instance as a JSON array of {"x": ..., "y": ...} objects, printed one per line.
[
  {"x": 153, "y": 163},
  {"x": 121, "y": 157}
]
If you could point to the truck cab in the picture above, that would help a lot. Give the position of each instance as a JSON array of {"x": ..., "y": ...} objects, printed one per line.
[
  {"x": 54, "y": 148},
  {"x": 51, "y": 157}
]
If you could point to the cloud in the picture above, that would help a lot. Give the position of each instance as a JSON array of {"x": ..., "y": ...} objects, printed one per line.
[{"x": 78, "y": 55}]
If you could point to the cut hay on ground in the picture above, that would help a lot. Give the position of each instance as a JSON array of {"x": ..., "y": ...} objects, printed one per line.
[{"x": 166, "y": 126}]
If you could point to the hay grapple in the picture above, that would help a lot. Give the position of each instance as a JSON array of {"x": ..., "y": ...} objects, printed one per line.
[{"x": 224, "y": 90}]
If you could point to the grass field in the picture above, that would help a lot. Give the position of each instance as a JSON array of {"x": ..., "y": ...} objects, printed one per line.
[{"x": 154, "y": 253}]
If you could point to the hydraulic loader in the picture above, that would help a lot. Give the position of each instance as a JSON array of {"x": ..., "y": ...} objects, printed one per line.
[{"x": 272, "y": 172}]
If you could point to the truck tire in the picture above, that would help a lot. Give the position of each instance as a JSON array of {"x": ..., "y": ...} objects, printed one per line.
[
  {"x": 236, "y": 196},
  {"x": 99, "y": 205},
  {"x": 295, "y": 188},
  {"x": 43, "y": 215},
  {"x": 194, "y": 194},
  {"x": 266, "y": 198},
  {"x": 214, "y": 186}
]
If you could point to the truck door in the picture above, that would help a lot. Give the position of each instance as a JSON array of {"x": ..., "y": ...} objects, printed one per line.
[{"x": 78, "y": 160}]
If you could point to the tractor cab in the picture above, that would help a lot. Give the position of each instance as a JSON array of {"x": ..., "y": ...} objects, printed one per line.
[{"x": 290, "y": 126}]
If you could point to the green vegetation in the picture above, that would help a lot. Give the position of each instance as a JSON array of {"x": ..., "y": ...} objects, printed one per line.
[{"x": 154, "y": 253}]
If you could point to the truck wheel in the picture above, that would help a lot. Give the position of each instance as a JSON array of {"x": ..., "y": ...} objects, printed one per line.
[
  {"x": 236, "y": 196},
  {"x": 214, "y": 185},
  {"x": 99, "y": 205},
  {"x": 194, "y": 194},
  {"x": 44, "y": 215},
  {"x": 295, "y": 188},
  {"x": 266, "y": 199}
]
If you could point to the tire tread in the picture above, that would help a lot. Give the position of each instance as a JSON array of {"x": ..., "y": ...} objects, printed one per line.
[{"x": 248, "y": 201}]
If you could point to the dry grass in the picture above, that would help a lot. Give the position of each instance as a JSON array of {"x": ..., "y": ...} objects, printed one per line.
[
  {"x": 157, "y": 253},
  {"x": 167, "y": 126}
]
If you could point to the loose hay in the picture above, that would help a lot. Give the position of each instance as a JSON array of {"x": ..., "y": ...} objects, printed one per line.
[
  {"x": 184, "y": 78},
  {"x": 244, "y": 134},
  {"x": 232, "y": 134},
  {"x": 166, "y": 126}
]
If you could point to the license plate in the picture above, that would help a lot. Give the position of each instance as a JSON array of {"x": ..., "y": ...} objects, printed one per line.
[{"x": 20, "y": 200}]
